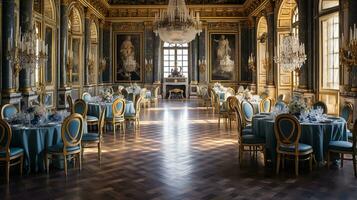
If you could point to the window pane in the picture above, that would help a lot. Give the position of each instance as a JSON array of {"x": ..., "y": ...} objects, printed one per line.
[
  {"x": 175, "y": 54},
  {"x": 330, "y": 52},
  {"x": 326, "y": 4}
]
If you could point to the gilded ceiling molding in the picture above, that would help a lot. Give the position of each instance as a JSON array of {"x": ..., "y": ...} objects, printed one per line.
[
  {"x": 206, "y": 12},
  {"x": 98, "y": 7},
  {"x": 254, "y": 7}
]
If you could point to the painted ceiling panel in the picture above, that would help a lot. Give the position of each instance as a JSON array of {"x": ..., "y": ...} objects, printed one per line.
[{"x": 163, "y": 2}]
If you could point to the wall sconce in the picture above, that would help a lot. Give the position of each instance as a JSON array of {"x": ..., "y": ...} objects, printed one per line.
[
  {"x": 202, "y": 65},
  {"x": 348, "y": 54},
  {"x": 148, "y": 64},
  {"x": 69, "y": 66},
  {"x": 91, "y": 63},
  {"x": 102, "y": 65},
  {"x": 251, "y": 64}
]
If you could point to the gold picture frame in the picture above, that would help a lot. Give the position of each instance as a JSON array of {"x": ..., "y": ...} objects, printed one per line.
[
  {"x": 121, "y": 72},
  {"x": 217, "y": 73}
]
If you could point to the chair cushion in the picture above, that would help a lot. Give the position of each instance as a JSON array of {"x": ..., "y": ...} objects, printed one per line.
[
  {"x": 302, "y": 148},
  {"x": 340, "y": 145},
  {"x": 247, "y": 131},
  {"x": 90, "y": 137},
  {"x": 13, "y": 152},
  {"x": 129, "y": 115},
  {"x": 252, "y": 139},
  {"x": 59, "y": 148},
  {"x": 118, "y": 119},
  {"x": 92, "y": 118}
]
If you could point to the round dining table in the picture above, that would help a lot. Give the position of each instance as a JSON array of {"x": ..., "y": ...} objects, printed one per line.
[
  {"x": 316, "y": 134},
  {"x": 94, "y": 108},
  {"x": 34, "y": 141}
]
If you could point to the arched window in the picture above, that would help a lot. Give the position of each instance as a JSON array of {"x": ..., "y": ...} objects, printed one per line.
[{"x": 175, "y": 55}]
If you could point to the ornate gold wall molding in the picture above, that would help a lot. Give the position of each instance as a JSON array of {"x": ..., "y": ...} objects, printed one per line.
[
  {"x": 128, "y": 26},
  {"x": 223, "y": 26}
]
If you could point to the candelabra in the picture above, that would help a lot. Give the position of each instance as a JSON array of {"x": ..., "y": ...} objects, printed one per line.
[
  {"x": 102, "y": 65},
  {"x": 202, "y": 65},
  {"x": 251, "y": 63},
  {"x": 348, "y": 54},
  {"x": 148, "y": 65},
  {"x": 69, "y": 66},
  {"x": 29, "y": 52},
  {"x": 91, "y": 63}
]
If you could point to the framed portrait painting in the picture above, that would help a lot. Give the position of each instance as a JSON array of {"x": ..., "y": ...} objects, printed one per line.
[
  {"x": 128, "y": 57},
  {"x": 223, "y": 52}
]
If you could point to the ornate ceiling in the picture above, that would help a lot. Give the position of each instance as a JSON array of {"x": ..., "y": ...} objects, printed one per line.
[{"x": 164, "y": 2}]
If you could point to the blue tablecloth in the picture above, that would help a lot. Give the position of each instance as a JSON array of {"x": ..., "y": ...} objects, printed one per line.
[
  {"x": 318, "y": 135},
  {"x": 93, "y": 109},
  {"x": 35, "y": 141}
]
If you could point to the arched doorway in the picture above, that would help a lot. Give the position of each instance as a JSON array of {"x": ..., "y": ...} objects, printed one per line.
[
  {"x": 285, "y": 22},
  {"x": 262, "y": 30},
  {"x": 75, "y": 51}
]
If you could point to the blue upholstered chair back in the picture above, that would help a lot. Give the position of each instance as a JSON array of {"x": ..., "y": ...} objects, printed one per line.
[
  {"x": 287, "y": 129},
  {"x": 347, "y": 112},
  {"x": 320, "y": 104},
  {"x": 265, "y": 105},
  {"x": 280, "y": 105},
  {"x": 80, "y": 107},
  {"x": 247, "y": 111},
  {"x": 8, "y": 111},
  {"x": 5, "y": 136},
  {"x": 86, "y": 97},
  {"x": 118, "y": 108},
  {"x": 72, "y": 130}
]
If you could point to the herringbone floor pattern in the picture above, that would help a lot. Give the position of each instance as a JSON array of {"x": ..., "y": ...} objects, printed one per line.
[{"x": 179, "y": 153}]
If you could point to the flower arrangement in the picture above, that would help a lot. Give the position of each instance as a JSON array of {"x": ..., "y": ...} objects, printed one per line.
[
  {"x": 297, "y": 106},
  {"x": 107, "y": 95},
  {"x": 39, "y": 112},
  {"x": 247, "y": 94},
  {"x": 217, "y": 85}
]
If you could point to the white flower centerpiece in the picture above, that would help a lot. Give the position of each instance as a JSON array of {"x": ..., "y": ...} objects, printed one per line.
[
  {"x": 297, "y": 106},
  {"x": 107, "y": 96},
  {"x": 247, "y": 94}
]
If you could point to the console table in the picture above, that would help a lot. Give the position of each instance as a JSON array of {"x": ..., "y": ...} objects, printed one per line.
[{"x": 175, "y": 81}]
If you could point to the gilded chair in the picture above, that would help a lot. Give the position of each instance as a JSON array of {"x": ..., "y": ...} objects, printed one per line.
[
  {"x": 9, "y": 154},
  {"x": 70, "y": 103},
  {"x": 287, "y": 132},
  {"x": 321, "y": 105},
  {"x": 118, "y": 111},
  {"x": 124, "y": 92},
  {"x": 345, "y": 147},
  {"x": 211, "y": 93},
  {"x": 347, "y": 114},
  {"x": 247, "y": 113},
  {"x": 80, "y": 106},
  {"x": 155, "y": 96},
  {"x": 265, "y": 105},
  {"x": 136, "y": 115},
  {"x": 145, "y": 101},
  {"x": 220, "y": 108},
  {"x": 70, "y": 148},
  {"x": 204, "y": 95},
  {"x": 280, "y": 105},
  {"x": 230, "y": 91},
  {"x": 247, "y": 142},
  {"x": 93, "y": 140},
  {"x": 8, "y": 111},
  {"x": 86, "y": 96},
  {"x": 232, "y": 103}
]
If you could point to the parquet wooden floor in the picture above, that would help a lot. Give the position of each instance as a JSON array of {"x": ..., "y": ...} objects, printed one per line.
[{"x": 179, "y": 153}]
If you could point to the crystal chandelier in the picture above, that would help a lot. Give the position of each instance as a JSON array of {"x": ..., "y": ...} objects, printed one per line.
[
  {"x": 177, "y": 25},
  {"x": 292, "y": 54}
]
